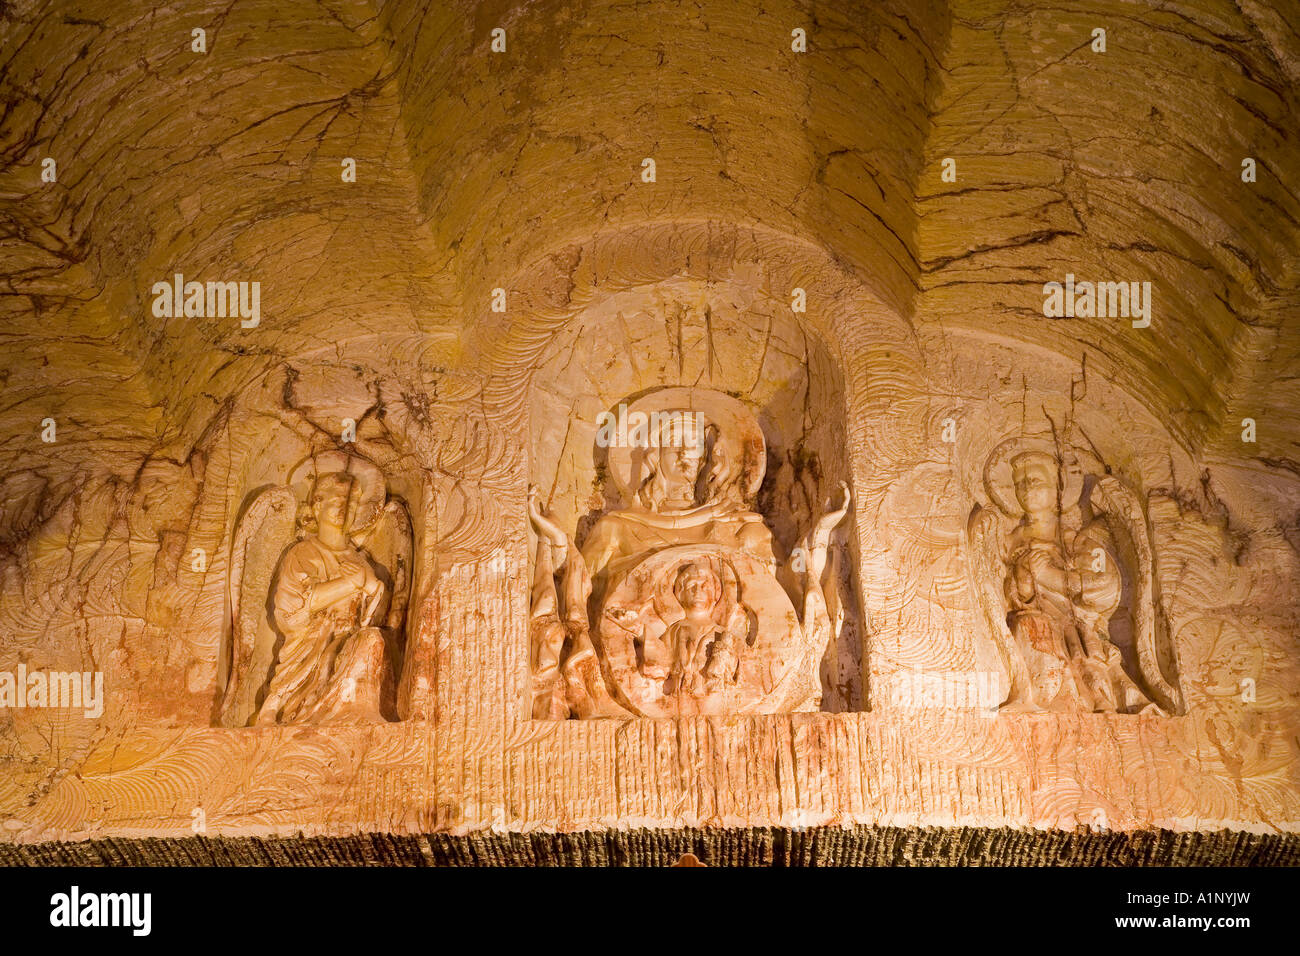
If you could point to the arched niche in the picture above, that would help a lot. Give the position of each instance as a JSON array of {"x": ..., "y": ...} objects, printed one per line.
[
  {"x": 723, "y": 336},
  {"x": 500, "y": 365}
]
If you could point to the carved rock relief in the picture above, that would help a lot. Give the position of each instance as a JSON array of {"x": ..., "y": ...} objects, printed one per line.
[
  {"x": 317, "y": 630},
  {"x": 1064, "y": 570},
  {"x": 743, "y": 484},
  {"x": 1213, "y": 583},
  {"x": 687, "y": 615}
]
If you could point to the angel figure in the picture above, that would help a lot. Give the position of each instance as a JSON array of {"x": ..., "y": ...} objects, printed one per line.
[
  {"x": 315, "y": 640},
  {"x": 1050, "y": 581}
]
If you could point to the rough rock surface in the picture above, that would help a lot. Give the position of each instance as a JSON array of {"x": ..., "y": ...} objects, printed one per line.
[{"x": 522, "y": 171}]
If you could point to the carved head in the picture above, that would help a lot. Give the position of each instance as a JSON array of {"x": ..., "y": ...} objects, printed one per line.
[
  {"x": 696, "y": 587},
  {"x": 676, "y": 458},
  {"x": 1034, "y": 474},
  {"x": 327, "y": 505}
]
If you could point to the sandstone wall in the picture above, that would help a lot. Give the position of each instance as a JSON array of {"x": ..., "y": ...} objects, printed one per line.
[{"x": 522, "y": 171}]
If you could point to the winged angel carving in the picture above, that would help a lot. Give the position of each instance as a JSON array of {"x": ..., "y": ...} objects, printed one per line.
[
  {"x": 319, "y": 580},
  {"x": 1064, "y": 571}
]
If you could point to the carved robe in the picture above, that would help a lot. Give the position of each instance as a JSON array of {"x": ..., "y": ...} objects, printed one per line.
[
  {"x": 620, "y": 538},
  {"x": 330, "y": 661},
  {"x": 1063, "y": 630}
]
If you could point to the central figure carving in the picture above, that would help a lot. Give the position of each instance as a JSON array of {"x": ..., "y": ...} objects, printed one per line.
[{"x": 673, "y": 605}]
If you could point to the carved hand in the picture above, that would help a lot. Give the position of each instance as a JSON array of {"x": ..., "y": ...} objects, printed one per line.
[
  {"x": 354, "y": 572},
  {"x": 1046, "y": 568},
  {"x": 360, "y": 576},
  {"x": 546, "y": 528},
  {"x": 830, "y": 519},
  {"x": 340, "y": 590},
  {"x": 817, "y": 541}
]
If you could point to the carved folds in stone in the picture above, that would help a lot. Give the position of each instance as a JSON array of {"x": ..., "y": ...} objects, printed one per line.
[
  {"x": 674, "y": 603},
  {"x": 1063, "y": 567},
  {"x": 319, "y": 582}
]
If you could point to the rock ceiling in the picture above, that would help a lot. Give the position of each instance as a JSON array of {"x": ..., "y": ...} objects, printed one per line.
[{"x": 471, "y": 166}]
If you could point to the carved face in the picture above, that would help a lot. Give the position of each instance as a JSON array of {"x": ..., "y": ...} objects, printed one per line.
[
  {"x": 1035, "y": 481},
  {"x": 696, "y": 588},
  {"x": 681, "y": 456},
  {"x": 329, "y": 500}
]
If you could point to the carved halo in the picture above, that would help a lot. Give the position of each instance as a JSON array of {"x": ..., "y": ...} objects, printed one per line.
[
  {"x": 743, "y": 447},
  {"x": 370, "y": 488},
  {"x": 998, "y": 478}
]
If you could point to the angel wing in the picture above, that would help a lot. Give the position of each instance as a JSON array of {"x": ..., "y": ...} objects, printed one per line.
[
  {"x": 388, "y": 541},
  {"x": 265, "y": 529},
  {"x": 985, "y": 571},
  {"x": 1127, "y": 520}
]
